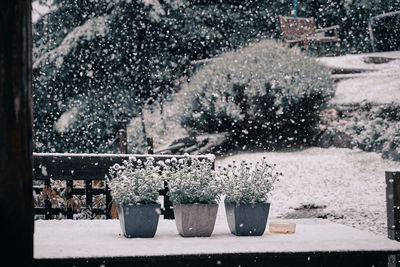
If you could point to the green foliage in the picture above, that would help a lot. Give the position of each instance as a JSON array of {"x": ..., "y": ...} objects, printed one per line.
[
  {"x": 139, "y": 49},
  {"x": 205, "y": 29},
  {"x": 135, "y": 182},
  {"x": 191, "y": 180},
  {"x": 373, "y": 129},
  {"x": 109, "y": 60},
  {"x": 355, "y": 25},
  {"x": 264, "y": 95},
  {"x": 352, "y": 16},
  {"x": 248, "y": 183}
]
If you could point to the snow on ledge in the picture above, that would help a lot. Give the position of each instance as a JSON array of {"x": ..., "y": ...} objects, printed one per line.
[
  {"x": 392, "y": 170},
  {"x": 107, "y": 155},
  {"x": 103, "y": 238}
]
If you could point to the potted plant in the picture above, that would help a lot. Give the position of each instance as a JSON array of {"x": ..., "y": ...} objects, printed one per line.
[
  {"x": 195, "y": 192},
  {"x": 134, "y": 186},
  {"x": 246, "y": 188}
]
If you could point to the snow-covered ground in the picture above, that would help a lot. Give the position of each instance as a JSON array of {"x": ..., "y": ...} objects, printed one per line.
[
  {"x": 357, "y": 61},
  {"x": 379, "y": 85},
  {"x": 350, "y": 184},
  {"x": 41, "y": 8}
]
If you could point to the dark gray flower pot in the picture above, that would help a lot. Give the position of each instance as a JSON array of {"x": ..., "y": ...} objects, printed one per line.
[
  {"x": 195, "y": 220},
  {"x": 247, "y": 220},
  {"x": 139, "y": 220}
]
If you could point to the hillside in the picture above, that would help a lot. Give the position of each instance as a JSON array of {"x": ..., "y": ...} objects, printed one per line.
[{"x": 365, "y": 111}]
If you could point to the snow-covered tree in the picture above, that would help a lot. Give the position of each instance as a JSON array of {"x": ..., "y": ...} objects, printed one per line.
[
  {"x": 265, "y": 95},
  {"x": 97, "y": 60}
]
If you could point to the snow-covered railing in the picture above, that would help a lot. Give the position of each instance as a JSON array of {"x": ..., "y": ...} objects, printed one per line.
[{"x": 87, "y": 168}]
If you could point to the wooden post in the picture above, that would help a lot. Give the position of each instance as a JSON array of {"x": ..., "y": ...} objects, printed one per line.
[
  {"x": 16, "y": 200},
  {"x": 123, "y": 138},
  {"x": 168, "y": 209},
  {"x": 110, "y": 207},
  {"x": 47, "y": 201},
  {"x": 337, "y": 43},
  {"x": 89, "y": 197},
  {"x": 393, "y": 211},
  {"x": 123, "y": 149},
  {"x": 393, "y": 204},
  {"x": 150, "y": 146},
  {"x": 371, "y": 33},
  {"x": 69, "y": 196}
]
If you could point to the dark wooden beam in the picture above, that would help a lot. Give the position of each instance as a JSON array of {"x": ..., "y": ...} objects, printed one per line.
[
  {"x": 150, "y": 145},
  {"x": 393, "y": 204},
  {"x": 123, "y": 138},
  {"x": 16, "y": 202},
  {"x": 278, "y": 259},
  {"x": 393, "y": 211},
  {"x": 84, "y": 166}
]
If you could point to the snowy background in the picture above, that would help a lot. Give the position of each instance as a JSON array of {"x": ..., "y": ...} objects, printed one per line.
[
  {"x": 82, "y": 85},
  {"x": 376, "y": 84},
  {"x": 342, "y": 185}
]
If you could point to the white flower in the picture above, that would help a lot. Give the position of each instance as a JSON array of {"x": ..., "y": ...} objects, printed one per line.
[
  {"x": 132, "y": 185},
  {"x": 210, "y": 157},
  {"x": 248, "y": 185},
  {"x": 192, "y": 181},
  {"x": 116, "y": 166}
]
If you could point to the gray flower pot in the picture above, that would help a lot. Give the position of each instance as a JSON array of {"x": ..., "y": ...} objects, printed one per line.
[
  {"x": 195, "y": 220},
  {"x": 139, "y": 220},
  {"x": 247, "y": 220}
]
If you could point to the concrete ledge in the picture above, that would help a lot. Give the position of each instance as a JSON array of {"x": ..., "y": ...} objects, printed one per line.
[{"x": 101, "y": 241}]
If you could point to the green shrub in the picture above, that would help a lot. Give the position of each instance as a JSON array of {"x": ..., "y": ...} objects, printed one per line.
[
  {"x": 264, "y": 95},
  {"x": 373, "y": 129}
]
